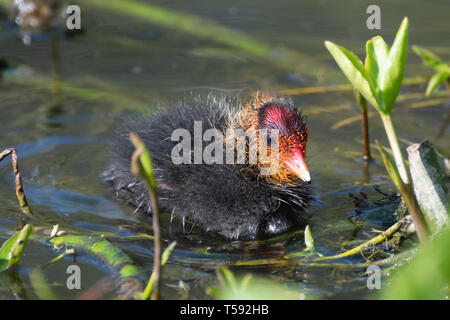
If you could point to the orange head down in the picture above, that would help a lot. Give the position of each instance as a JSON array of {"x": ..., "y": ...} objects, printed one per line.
[{"x": 278, "y": 115}]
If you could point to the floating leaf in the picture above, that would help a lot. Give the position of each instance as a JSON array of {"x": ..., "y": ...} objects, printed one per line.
[
  {"x": 391, "y": 73},
  {"x": 12, "y": 249},
  {"x": 354, "y": 71}
]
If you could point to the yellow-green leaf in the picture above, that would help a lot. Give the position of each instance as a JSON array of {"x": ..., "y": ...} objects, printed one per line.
[
  {"x": 436, "y": 81},
  {"x": 354, "y": 71},
  {"x": 309, "y": 240},
  {"x": 12, "y": 249},
  {"x": 426, "y": 275},
  {"x": 141, "y": 162},
  {"x": 430, "y": 59},
  {"x": 391, "y": 73},
  {"x": 164, "y": 258},
  {"x": 377, "y": 53},
  {"x": 390, "y": 167}
]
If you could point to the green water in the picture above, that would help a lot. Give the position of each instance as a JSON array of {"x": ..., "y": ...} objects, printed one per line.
[{"x": 127, "y": 62}]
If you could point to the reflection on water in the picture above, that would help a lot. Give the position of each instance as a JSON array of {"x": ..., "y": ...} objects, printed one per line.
[{"x": 123, "y": 64}]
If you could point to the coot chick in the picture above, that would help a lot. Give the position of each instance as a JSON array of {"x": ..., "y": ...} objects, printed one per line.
[{"x": 227, "y": 196}]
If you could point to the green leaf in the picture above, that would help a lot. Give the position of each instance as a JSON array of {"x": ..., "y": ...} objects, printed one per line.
[
  {"x": 104, "y": 250},
  {"x": 427, "y": 276},
  {"x": 354, "y": 71},
  {"x": 164, "y": 258},
  {"x": 228, "y": 277},
  {"x": 141, "y": 163},
  {"x": 309, "y": 240},
  {"x": 252, "y": 288},
  {"x": 430, "y": 59},
  {"x": 391, "y": 73},
  {"x": 12, "y": 249},
  {"x": 436, "y": 81},
  {"x": 377, "y": 53},
  {"x": 41, "y": 286},
  {"x": 390, "y": 167}
]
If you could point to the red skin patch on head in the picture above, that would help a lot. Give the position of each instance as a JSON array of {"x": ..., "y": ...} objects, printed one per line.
[
  {"x": 282, "y": 118},
  {"x": 293, "y": 132}
]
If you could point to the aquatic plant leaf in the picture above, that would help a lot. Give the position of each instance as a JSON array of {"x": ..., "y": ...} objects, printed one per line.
[
  {"x": 164, "y": 258},
  {"x": 430, "y": 59},
  {"x": 390, "y": 167},
  {"x": 427, "y": 276},
  {"x": 104, "y": 250},
  {"x": 228, "y": 278},
  {"x": 309, "y": 240},
  {"x": 436, "y": 80},
  {"x": 354, "y": 70},
  {"x": 377, "y": 52},
  {"x": 41, "y": 286},
  {"x": 12, "y": 249},
  {"x": 141, "y": 163},
  {"x": 251, "y": 288},
  {"x": 391, "y": 73},
  {"x": 374, "y": 241}
]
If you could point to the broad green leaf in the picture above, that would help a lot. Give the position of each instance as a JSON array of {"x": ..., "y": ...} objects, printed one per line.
[
  {"x": 377, "y": 53},
  {"x": 12, "y": 249},
  {"x": 436, "y": 81},
  {"x": 430, "y": 59},
  {"x": 427, "y": 276},
  {"x": 391, "y": 73},
  {"x": 309, "y": 240},
  {"x": 354, "y": 71}
]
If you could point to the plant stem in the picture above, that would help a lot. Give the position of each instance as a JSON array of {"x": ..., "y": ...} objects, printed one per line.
[
  {"x": 141, "y": 165},
  {"x": 374, "y": 241},
  {"x": 422, "y": 229},
  {"x": 446, "y": 121},
  {"x": 393, "y": 141},
  {"x": 365, "y": 129},
  {"x": 24, "y": 207},
  {"x": 157, "y": 241},
  {"x": 405, "y": 189},
  {"x": 365, "y": 124}
]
